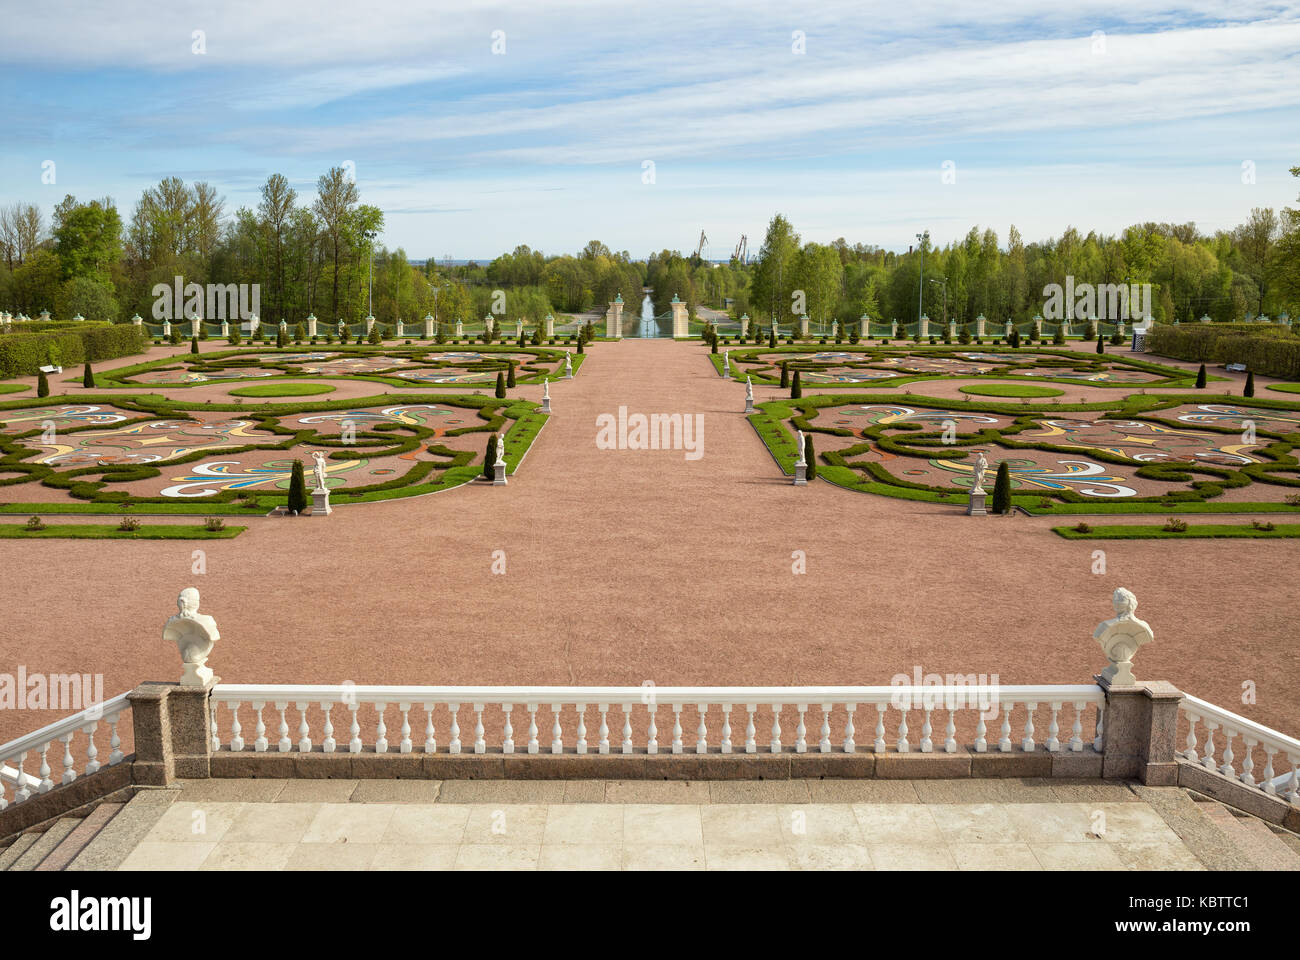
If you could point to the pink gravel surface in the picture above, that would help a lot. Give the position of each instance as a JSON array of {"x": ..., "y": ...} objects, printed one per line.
[{"x": 625, "y": 566}]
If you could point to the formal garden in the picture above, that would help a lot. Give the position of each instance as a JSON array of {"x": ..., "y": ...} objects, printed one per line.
[
  {"x": 159, "y": 455},
  {"x": 1141, "y": 453}
]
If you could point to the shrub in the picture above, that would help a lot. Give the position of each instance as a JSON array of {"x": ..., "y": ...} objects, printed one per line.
[
  {"x": 297, "y": 489},
  {"x": 510, "y": 375},
  {"x": 580, "y": 342},
  {"x": 490, "y": 458},
  {"x": 1262, "y": 526},
  {"x": 796, "y": 388},
  {"x": 1101, "y": 344},
  {"x": 88, "y": 377},
  {"x": 1249, "y": 391},
  {"x": 501, "y": 385},
  {"x": 1014, "y": 339},
  {"x": 1002, "y": 489},
  {"x": 300, "y": 333},
  {"x": 810, "y": 456},
  {"x": 233, "y": 338},
  {"x": 1268, "y": 349},
  {"x": 376, "y": 335},
  {"x": 213, "y": 524},
  {"x": 785, "y": 374},
  {"x": 43, "y": 385},
  {"x": 22, "y": 352},
  {"x": 35, "y": 523},
  {"x": 1058, "y": 338},
  {"x": 1082, "y": 527},
  {"x": 1174, "y": 525},
  {"x": 128, "y": 524},
  {"x": 194, "y": 344},
  {"x": 1200, "y": 378}
]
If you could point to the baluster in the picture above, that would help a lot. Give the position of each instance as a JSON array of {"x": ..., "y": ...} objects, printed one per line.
[
  {"x": 800, "y": 731},
  {"x": 405, "y": 746},
  {"x": 454, "y": 730},
  {"x": 1248, "y": 761},
  {"x": 4, "y": 803},
  {"x": 582, "y": 728},
  {"x": 878, "y": 745},
  {"x": 328, "y": 742},
  {"x": 1004, "y": 736},
  {"x": 557, "y": 735},
  {"x": 354, "y": 743},
  {"x": 1190, "y": 753},
  {"x": 259, "y": 743},
  {"x": 726, "y": 728},
  {"x": 236, "y": 731},
  {"x": 1269, "y": 787},
  {"x": 115, "y": 742},
  {"x": 1053, "y": 744},
  {"x": 285, "y": 744},
  {"x": 776, "y": 728},
  {"x": 602, "y": 734},
  {"x": 903, "y": 745},
  {"x": 91, "y": 750},
  {"x": 1027, "y": 744},
  {"x": 21, "y": 790},
  {"x": 701, "y": 732},
  {"x": 627, "y": 728},
  {"x": 430, "y": 738},
  {"x": 1293, "y": 785},
  {"x": 1076, "y": 732},
  {"x": 1099, "y": 740},
  {"x": 68, "y": 773},
  {"x": 850, "y": 745},
  {"x": 304, "y": 729},
  {"x": 950, "y": 733},
  {"x": 652, "y": 731},
  {"x": 508, "y": 743},
  {"x": 1207, "y": 761},
  {"x": 653, "y": 745},
  {"x": 480, "y": 744},
  {"x": 824, "y": 741},
  {"x": 533, "y": 745},
  {"x": 927, "y": 745},
  {"x": 43, "y": 772},
  {"x": 981, "y": 731},
  {"x": 750, "y": 745},
  {"x": 1226, "y": 768},
  {"x": 212, "y": 727},
  {"x": 381, "y": 730}
]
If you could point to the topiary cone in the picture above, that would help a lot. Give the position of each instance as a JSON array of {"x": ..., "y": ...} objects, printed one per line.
[{"x": 1002, "y": 489}]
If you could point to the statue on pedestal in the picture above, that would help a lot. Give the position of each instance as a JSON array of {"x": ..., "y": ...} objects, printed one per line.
[
  {"x": 1121, "y": 637},
  {"x": 981, "y": 467},
  {"x": 320, "y": 470}
]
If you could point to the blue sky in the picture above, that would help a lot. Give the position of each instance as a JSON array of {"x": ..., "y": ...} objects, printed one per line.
[{"x": 1093, "y": 114}]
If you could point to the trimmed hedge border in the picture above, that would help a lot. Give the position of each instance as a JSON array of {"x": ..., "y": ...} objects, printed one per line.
[
  {"x": 22, "y": 353},
  {"x": 1220, "y": 531}
]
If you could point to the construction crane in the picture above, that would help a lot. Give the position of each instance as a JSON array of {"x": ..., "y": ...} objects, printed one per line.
[
  {"x": 699, "y": 249},
  {"x": 741, "y": 252}
]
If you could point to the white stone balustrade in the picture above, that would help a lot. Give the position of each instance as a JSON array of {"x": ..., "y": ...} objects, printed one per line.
[
  {"x": 25, "y": 763},
  {"x": 1222, "y": 729},
  {"x": 233, "y": 706}
]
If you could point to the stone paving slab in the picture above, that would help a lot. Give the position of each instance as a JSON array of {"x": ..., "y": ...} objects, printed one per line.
[
  {"x": 120, "y": 837},
  {"x": 767, "y": 827}
]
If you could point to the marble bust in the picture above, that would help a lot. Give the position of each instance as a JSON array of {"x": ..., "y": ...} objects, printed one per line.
[
  {"x": 195, "y": 634},
  {"x": 1121, "y": 637}
]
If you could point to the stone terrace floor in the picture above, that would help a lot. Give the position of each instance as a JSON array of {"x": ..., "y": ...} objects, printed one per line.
[{"x": 1012, "y": 824}]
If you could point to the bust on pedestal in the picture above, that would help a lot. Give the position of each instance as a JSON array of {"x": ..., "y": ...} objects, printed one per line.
[
  {"x": 977, "y": 494},
  {"x": 195, "y": 634},
  {"x": 320, "y": 497},
  {"x": 1120, "y": 639}
]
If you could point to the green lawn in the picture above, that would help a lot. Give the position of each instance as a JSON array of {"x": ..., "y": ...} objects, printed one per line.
[
  {"x": 1201, "y": 531},
  {"x": 1010, "y": 390},
  {"x": 1285, "y": 387},
  {"x": 282, "y": 390},
  {"x": 105, "y": 531},
  {"x": 13, "y": 387}
]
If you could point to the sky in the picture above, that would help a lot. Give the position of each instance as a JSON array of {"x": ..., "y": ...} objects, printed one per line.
[{"x": 479, "y": 126}]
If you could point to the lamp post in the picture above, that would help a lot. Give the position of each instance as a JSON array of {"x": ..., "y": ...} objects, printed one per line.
[
  {"x": 370, "y": 274},
  {"x": 922, "y": 239}
]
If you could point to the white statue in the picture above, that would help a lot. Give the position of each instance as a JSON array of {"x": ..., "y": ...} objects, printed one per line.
[
  {"x": 749, "y": 389},
  {"x": 194, "y": 634},
  {"x": 1121, "y": 637},
  {"x": 501, "y": 453},
  {"x": 799, "y": 445},
  {"x": 981, "y": 467},
  {"x": 568, "y": 365},
  {"x": 546, "y": 389},
  {"x": 321, "y": 469}
]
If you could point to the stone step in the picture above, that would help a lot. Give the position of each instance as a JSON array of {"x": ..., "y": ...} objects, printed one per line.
[
  {"x": 77, "y": 840},
  {"x": 45, "y": 843},
  {"x": 1285, "y": 856},
  {"x": 1208, "y": 843},
  {"x": 17, "y": 849},
  {"x": 1264, "y": 850}
]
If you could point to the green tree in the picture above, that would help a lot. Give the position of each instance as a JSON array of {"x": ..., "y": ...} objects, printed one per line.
[
  {"x": 490, "y": 458},
  {"x": 88, "y": 376},
  {"x": 42, "y": 385},
  {"x": 796, "y": 389},
  {"x": 297, "y": 489},
  {"x": 501, "y": 385},
  {"x": 336, "y": 198},
  {"x": 1200, "y": 378},
  {"x": 1101, "y": 344},
  {"x": 510, "y": 375},
  {"x": 1002, "y": 489},
  {"x": 194, "y": 344},
  {"x": 810, "y": 455},
  {"x": 1249, "y": 391}
]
